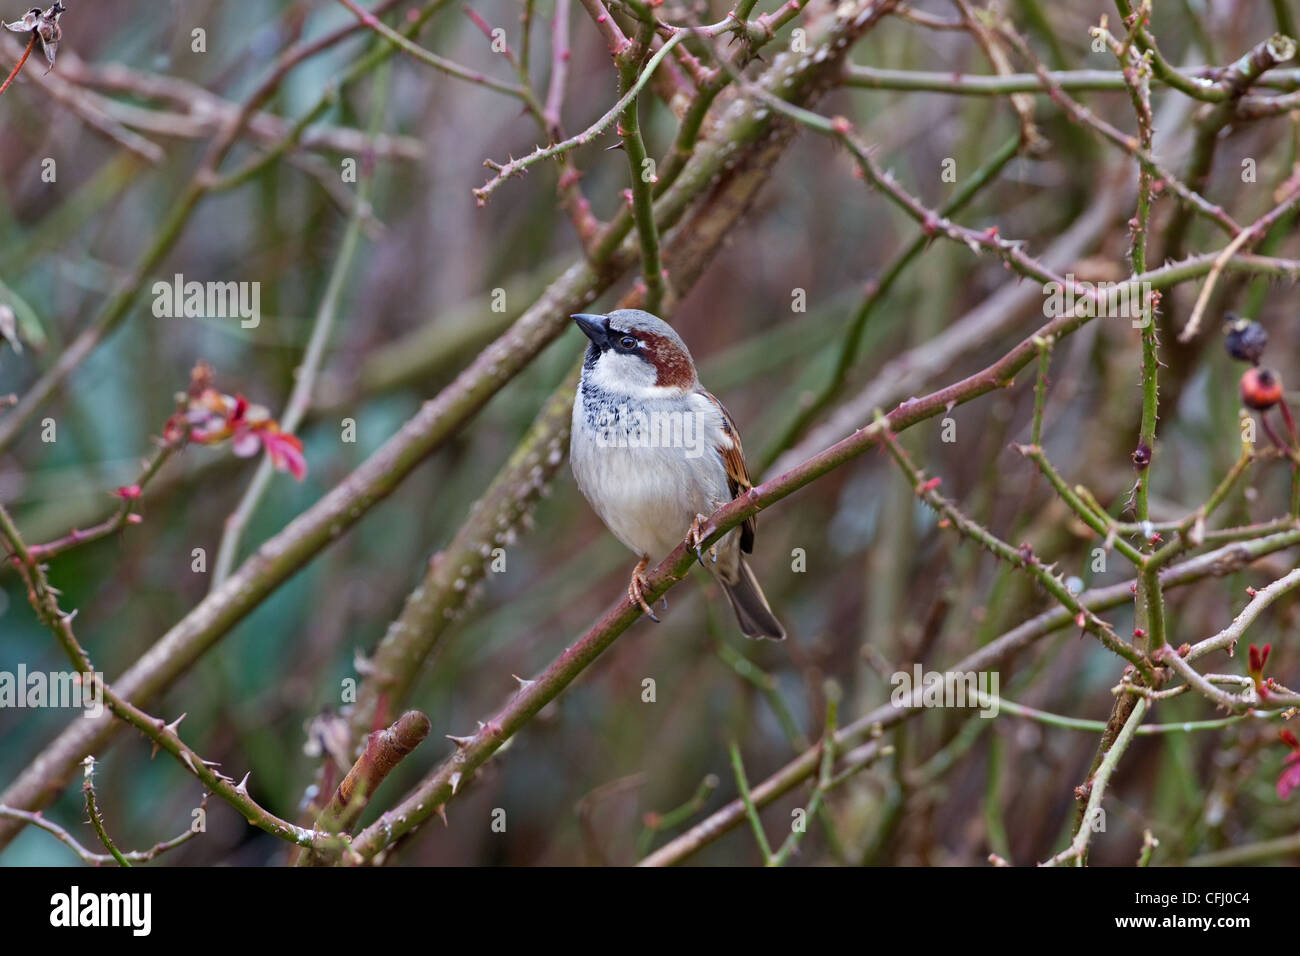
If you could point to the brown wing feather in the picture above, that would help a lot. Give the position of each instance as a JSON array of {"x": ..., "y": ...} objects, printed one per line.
[{"x": 737, "y": 474}]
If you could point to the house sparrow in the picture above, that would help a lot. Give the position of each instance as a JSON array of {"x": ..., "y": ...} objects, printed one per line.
[{"x": 655, "y": 454}]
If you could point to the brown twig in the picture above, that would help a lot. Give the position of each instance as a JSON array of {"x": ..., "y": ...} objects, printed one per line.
[
  {"x": 384, "y": 750},
  {"x": 31, "y": 45},
  {"x": 559, "y": 70},
  {"x": 615, "y": 39}
]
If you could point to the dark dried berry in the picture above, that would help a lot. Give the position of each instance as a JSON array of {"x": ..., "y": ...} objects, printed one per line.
[
  {"x": 1261, "y": 388},
  {"x": 1244, "y": 339}
]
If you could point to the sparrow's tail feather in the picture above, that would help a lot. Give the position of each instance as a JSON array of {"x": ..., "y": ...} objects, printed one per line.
[{"x": 753, "y": 613}]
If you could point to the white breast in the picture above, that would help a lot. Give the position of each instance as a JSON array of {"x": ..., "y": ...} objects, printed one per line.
[{"x": 647, "y": 488}]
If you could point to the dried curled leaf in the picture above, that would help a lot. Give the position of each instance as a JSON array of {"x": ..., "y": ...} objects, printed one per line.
[
  {"x": 45, "y": 26},
  {"x": 28, "y": 23}
]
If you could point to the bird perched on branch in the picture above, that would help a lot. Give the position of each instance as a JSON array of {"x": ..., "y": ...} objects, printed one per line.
[{"x": 655, "y": 453}]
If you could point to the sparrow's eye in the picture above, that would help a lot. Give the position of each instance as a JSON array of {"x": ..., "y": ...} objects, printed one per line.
[{"x": 627, "y": 342}]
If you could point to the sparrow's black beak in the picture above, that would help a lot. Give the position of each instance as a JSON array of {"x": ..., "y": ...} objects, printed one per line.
[{"x": 594, "y": 327}]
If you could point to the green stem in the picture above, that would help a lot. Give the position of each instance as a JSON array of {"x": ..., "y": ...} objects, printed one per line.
[
  {"x": 825, "y": 780},
  {"x": 96, "y": 819},
  {"x": 1078, "y": 848},
  {"x": 1040, "y": 391},
  {"x": 969, "y": 84},
  {"x": 738, "y": 768},
  {"x": 642, "y": 180}
]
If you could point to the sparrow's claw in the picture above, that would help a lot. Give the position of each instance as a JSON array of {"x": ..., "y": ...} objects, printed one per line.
[
  {"x": 636, "y": 589},
  {"x": 695, "y": 536},
  {"x": 695, "y": 539}
]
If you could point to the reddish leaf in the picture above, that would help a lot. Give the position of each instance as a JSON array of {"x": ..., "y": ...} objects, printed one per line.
[{"x": 1290, "y": 778}]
